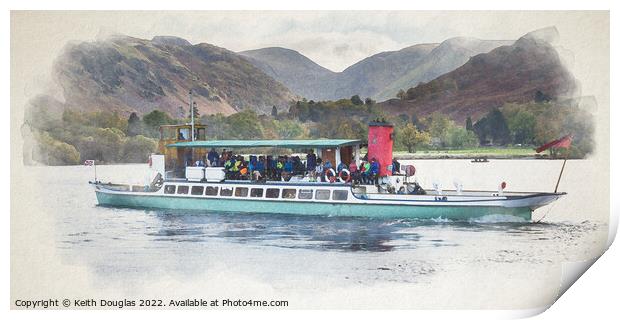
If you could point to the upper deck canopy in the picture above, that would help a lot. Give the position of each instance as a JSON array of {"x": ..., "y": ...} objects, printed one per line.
[{"x": 292, "y": 144}]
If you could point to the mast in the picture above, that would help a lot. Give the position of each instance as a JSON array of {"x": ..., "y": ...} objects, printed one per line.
[{"x": 191, "y": 111}]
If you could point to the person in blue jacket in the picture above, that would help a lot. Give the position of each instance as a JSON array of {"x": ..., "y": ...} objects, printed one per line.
[{"x": 374, "y": 171}]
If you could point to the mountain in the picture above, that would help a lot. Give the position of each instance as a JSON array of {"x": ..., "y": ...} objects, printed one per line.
[
  {"x": 300, "y": 74},
  {"x": 127, "y": 74},
  {"x": 511, "y": 73},
  {"x": 446, "y": 57},
  {"x": 379, "y": 76},
  {"x": 371, "y": 75}
]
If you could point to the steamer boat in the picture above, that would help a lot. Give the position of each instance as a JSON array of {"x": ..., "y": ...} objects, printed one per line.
[{"x": 180, "y": 185}]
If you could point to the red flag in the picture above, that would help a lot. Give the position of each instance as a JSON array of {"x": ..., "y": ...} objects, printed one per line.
[{"x": 563, "y": 142}]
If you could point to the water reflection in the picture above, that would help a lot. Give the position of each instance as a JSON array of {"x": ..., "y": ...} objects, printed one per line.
[{"x": 292, "y": 231}]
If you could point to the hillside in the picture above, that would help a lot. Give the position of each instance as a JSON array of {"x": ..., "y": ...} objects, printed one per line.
[
  {"x": 446, "y": 57},
  {"x": 300, "y": 74},
  {"x": 128, "y": 74},
  {"x": 513, "y": 73},
  {"x": 379, "y": 76}
]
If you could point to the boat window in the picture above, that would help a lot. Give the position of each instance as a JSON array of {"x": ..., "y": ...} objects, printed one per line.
[
  {"x": 184, "y": 134},
  {"x": 170, "y": 189},
  {"x": 182, "y": 189},
  {"x": 289, "y": 193},
  {"x": 305, "y": 194},
  {"x": 211, "y": 191},
  {"x": 256, "y": 192},
  {"x": 274, "y": 193},
  {"x": 200, "y": 134},
  {"x": 340, "y": 195},
  {"x": 226, "y": 192},
  {"x": 322, "y": 195},
  {"x": 197, "y": 190},
  {"x": 241, "y": 192}
]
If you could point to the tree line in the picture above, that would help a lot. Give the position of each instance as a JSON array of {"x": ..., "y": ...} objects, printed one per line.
[{"x": 111, "y": 138}]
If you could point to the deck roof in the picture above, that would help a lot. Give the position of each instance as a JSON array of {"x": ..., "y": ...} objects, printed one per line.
[{"x": 292, "y": 144}]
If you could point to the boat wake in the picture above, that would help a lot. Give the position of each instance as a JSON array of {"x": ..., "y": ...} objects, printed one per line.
[{"x": 498, "y": 218}]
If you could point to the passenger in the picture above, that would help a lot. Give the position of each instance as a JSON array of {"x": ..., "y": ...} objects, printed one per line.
[
  {"x": 395, "y": 167},
  {"x": 311, "y": 161},
  {"x": 341, "y": 166},
  {"x": 279, "y": 167},
  {"x": 365, "y": 170},
  {"x": 318, "y": 170},
  {"x": 260, "y": 165},
  {"x": 355, "y": 176},
  {"x": 269, "y": 167},
  {"x": 257, "y": 175},
  {"x": 374, "y": 171},
  {"x": 288, "y": 165},
  {"x": 328, "y": 165},
  {"x": 213, "y": 157},
  {"x": 199, "y": 163}
]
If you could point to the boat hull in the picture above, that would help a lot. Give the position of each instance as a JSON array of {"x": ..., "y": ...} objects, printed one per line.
[{"x": 374, "y": 210}]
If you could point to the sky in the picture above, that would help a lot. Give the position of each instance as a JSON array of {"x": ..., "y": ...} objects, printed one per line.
[{"x": 333, "y": 39}]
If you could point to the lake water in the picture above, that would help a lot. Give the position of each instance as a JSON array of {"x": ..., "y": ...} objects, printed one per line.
[{"x": 312, "y": 261}]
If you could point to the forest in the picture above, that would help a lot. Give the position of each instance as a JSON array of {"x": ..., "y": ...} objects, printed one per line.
[{"x": 109, "y": 137}]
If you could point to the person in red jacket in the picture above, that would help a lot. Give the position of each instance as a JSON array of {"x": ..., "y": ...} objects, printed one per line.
[{"x": 354, "y": 173}]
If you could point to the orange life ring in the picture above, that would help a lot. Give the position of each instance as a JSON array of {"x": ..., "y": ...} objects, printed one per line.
[
  {"x": 348, "y": 176},
  {"x": 331, "y": 178}
]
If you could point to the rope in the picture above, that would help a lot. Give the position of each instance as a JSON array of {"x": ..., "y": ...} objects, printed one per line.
[{"x": 544, "y": 215}]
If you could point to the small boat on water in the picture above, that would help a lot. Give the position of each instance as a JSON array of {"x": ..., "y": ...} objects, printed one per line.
[{"x": 393, "y": 194}]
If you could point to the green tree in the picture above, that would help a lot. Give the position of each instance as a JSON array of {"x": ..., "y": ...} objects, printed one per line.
[
  {"x": 369, "y": 101},
  {"x": 439, "y": 126},
  {"x": 402, "y": 95},
  {"x": 412, "y": 138},
  {"x": 134, "y": 125},
  {"x": 137, "y": 149},
  {"x": 53, "y": 152},
  {"x": 245, "y": 125},
  {"x": 195, "y": 111},
  {"x": 356, "y": 100},
  {"x": 288, "y": 129},
  {"x": 459, "y": 137},
  {"x": 469, "y": 124},
  {"x": 154, "y": 119},
  {"x": 521, "y": 124}
]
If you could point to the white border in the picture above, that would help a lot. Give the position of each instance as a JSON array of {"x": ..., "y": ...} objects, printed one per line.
[{"x": 592, "y": 296}]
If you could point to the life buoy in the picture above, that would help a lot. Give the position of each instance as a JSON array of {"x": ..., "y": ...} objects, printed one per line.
[
  {"x": 410, "y": 170},
  {"x": 333, "y": 176},
  {"x": 348, "y": 175}
]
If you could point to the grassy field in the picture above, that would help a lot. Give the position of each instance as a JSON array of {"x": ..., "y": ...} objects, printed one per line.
[{"x": 489, "y": 152}]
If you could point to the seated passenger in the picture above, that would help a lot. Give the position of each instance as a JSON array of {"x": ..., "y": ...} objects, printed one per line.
[
  {"x": 341, "y": 166},
  {"x": 355, "y": 175},
  {"x": 213, "y": 157},
  {"x": 395, "y": 167},
  {"x": 328, "y": 165},
  {"x": 318, "y": 170},
  {"x": 311, "y": 161},
  {"x": 288, "y": 166}
]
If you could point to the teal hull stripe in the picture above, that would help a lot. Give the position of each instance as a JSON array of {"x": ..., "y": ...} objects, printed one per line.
[{"x": 307, "y": 208}]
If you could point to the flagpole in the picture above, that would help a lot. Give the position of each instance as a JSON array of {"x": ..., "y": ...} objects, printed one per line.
[
  {"x": 95, "y": 165},
  {"x": 561, "y": 171}
]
